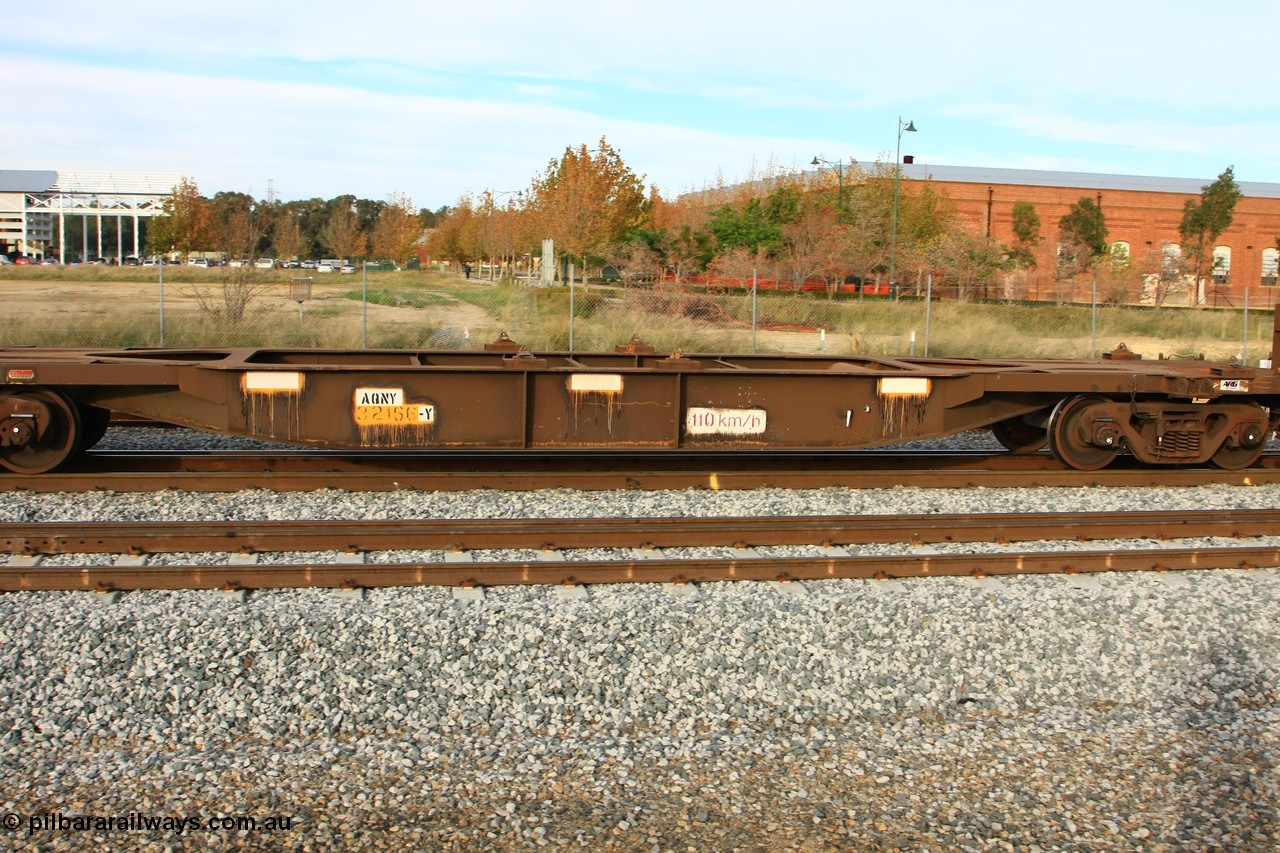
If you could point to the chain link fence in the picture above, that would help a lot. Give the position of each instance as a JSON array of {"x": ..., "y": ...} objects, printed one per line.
[{"x": 434, "y": 311}]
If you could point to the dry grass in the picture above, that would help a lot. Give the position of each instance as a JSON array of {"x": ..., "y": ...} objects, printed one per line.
[{"x": 93, "y": 306}]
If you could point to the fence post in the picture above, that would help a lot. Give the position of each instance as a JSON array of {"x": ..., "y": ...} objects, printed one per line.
[
  {"x": 928, "y": 312},
  {"x": 1244, "y": 352},
  {"x": 755, "y": 282},
  {"x": 1093, "y": 335},
  {"x": 161, "y": 265}
]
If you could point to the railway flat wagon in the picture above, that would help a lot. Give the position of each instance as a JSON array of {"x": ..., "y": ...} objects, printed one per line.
[{"x": 56, "y": 402}]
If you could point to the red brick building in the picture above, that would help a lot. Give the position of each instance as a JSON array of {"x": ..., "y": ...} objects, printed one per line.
[{"x": 1142, "y": 214}]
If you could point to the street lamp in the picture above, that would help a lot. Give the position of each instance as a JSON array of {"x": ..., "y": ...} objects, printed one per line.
[
  {"x": 909, "y": 127},
  {"x": 818, "y": 161}
]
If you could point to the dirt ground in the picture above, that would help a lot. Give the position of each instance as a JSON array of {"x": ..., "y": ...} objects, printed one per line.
[{"x": 67, "y": 300}]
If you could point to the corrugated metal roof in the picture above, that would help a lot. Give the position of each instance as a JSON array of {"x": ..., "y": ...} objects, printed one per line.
[
  {"x": 27, "y": 180},
  {"x": 117, "y": 183},
  {"x": 1077, "y": 180}
]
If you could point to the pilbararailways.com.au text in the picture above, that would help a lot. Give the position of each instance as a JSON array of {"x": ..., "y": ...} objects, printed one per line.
[{"x": 60, "y": 822}]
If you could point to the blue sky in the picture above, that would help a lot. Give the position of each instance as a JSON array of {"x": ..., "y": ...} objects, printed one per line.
[{"x": 435, "y": 100}]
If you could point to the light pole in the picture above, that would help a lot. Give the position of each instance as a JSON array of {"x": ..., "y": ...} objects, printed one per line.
[
  {"x": 909, "y": 127},
  {"x": 818, "y": 161}
]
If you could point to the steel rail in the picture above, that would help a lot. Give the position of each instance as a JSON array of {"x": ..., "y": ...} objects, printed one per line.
[
  {"x": 553, "y": 533},
  {"x": 379, "y": 473},
  {"x": 575, "y": 572}
]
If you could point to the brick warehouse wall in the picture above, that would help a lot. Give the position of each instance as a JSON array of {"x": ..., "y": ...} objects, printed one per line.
[{"x": 1145, "y": 218}]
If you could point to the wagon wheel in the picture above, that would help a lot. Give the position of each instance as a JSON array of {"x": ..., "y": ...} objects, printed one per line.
[
  {"x": 1072, "y": 437},
  {"x": 1253, "y": 440},
  {"x": 32, "y": 454},
  {"x": 94, "y": 421},
  {"x": 1018, "y": 436}
]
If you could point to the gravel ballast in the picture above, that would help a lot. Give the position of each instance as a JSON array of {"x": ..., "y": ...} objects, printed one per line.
[{"x": 938, "y": 714}]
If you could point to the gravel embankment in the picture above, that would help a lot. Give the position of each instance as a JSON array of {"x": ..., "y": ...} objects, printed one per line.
[{"x": 940, "y": 715}]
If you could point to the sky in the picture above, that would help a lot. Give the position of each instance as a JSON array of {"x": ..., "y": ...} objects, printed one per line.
[{"x": 434, "y": 100}]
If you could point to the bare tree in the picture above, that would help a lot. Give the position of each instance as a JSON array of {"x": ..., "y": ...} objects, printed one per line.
[
  {"x": 1163, "y": 273},
  {"x": 634, "y": 261},
  {"x": 741, "y": 264},
  {"x": 973, "y": 261},
  {"x": 814, "y": 246}
]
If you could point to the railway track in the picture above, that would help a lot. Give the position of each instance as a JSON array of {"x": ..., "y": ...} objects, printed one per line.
[
  {"x": 643, "y": 537},
  {"x": 308, "y": 470}
]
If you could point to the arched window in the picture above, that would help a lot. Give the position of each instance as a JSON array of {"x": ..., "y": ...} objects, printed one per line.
[
  {"x": 1170, "y": 261},
  {"x": 1270, "y": 264},
  {"x": 1119, "y": 250},
  {"x": 1221, "y": 264}
]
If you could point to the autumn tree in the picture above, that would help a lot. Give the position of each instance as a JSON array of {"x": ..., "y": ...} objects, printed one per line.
[
  {"x": 286, "y": 235},
  {"x": 588, "y": 199},
  {"x": 396, "y": 229},
  {"x": 341, "y": 232},
  {"x": 240, "y": 224},
  {"x": 454, "y": 237},
  {"x": 1204, "y": 220},
  {"x": 679, "y": 229},
  {"x": 925, "y": 217},
  {"x": 510, "y": 230},
  {"x": 186, "y": 223}
]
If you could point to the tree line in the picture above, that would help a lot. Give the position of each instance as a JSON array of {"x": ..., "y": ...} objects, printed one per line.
[
  {"x": 235, "y": 225},
  {"x": 836, "y": 226}
]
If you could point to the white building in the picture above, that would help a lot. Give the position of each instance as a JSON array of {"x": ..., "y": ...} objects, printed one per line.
[{"x": 35, "y": 204}]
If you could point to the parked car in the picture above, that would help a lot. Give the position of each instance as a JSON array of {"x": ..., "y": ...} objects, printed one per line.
[
  {"x": 199, "y": 262},
  {"x": 308, "y": 264},
  {"x": 5, "y": 261},
  {"x": 347, "y": 269},
  {"x": 48, "y": 262},
  {"x": 22, "y": 261},
  {"x": 324, "y": 268},
  {"x": 266, "y": 263}
]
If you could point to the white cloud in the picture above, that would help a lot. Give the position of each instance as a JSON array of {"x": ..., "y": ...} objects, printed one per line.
[
  {"x": 438, "y": 99},
  {"x": 327, "y": 140}
]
